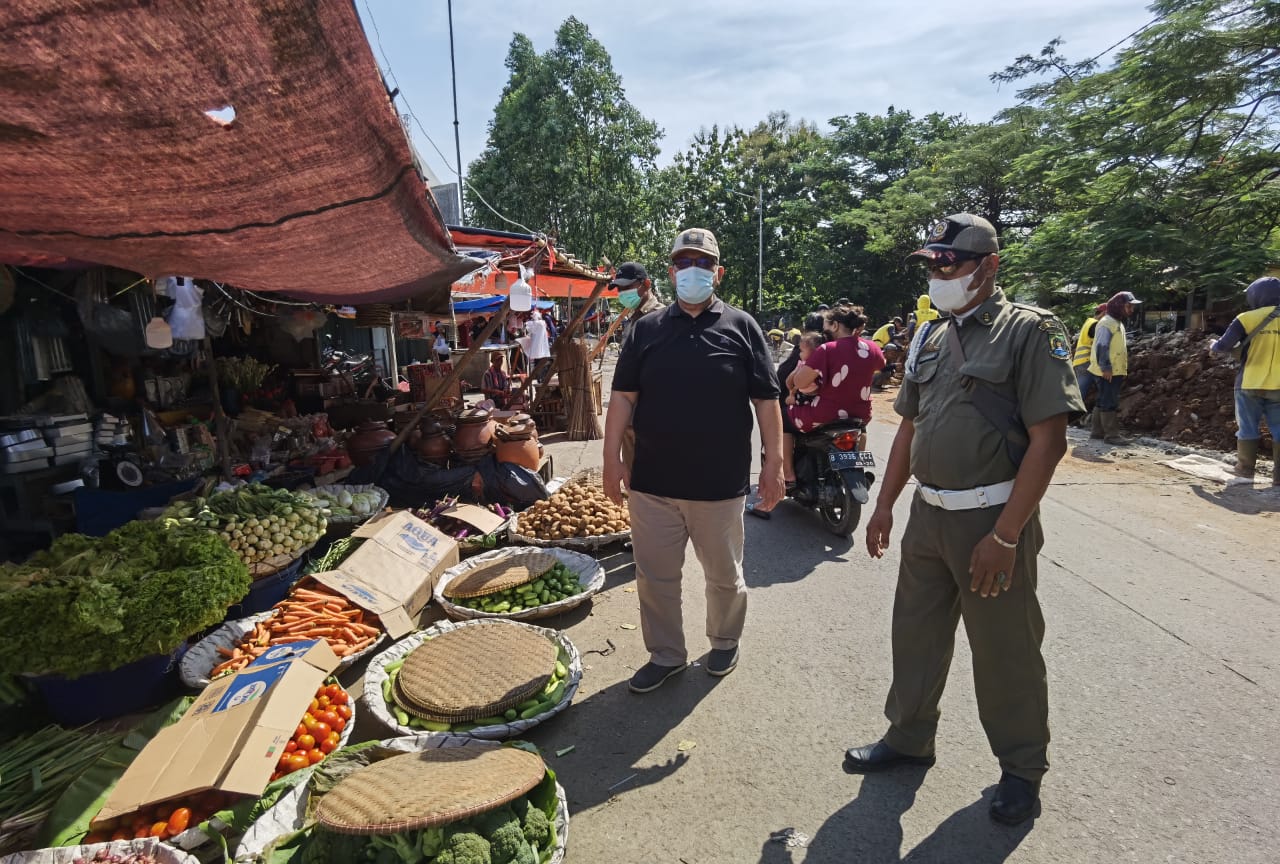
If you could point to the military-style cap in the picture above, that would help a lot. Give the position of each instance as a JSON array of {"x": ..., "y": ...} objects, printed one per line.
[
  {"x": 959, "y": 237},
  {"x": 699, "y": 239},
  {"x": 629, "y": 274}
]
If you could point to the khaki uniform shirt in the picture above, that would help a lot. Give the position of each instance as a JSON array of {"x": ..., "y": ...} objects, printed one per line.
[{"x": 1020, "y": 351}]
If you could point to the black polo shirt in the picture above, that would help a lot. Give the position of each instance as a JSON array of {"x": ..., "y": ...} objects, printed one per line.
[{"x": 695, "y": 378}]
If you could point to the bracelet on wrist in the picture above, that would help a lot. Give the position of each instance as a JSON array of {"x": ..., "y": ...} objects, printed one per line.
[{"x": 1006, "y": 544}]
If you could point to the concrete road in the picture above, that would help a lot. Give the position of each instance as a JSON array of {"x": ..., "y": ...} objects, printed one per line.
[{"x": 1163, "y": 645}]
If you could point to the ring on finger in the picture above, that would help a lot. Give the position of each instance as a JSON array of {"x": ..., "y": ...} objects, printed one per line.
[{"x": 1002, "y": 579}]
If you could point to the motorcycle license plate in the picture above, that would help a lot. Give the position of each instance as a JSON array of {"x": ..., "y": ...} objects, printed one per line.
[{"x": 851, "y": 459}]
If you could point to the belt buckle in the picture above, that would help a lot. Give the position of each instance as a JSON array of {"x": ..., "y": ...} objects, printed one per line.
[{"x": 981, "y": 493}]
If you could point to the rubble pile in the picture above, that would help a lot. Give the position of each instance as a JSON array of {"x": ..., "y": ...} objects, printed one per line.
[{"x": 1179, "y": 391}]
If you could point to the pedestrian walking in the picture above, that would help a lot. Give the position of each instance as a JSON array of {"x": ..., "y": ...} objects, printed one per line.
[
  {"x": 633, "y": 279},
  {"x": 1256, "y": 334},
  {"x": 1084, "y": 353},
  {"x": 1109, "y": 365},
  {"x": 969, "y": 549},
  {"x": 688, "y": 377}
]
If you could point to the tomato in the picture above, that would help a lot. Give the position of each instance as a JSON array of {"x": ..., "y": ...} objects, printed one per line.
[
  {"x": 97, "y": 837},
  {"x": 140, "y": 823},
  {"x": 321, "y": 730},
  {"x": 276, "y": 776},
  {"x": 328, "y": 745},
  {"x": 339, "y": 698},
  {"x": 314, "y": 756},
  {"x": 291, "y": 746},
  {"x": 344, "y": 711},
  {"x": 142, "y": 833},
  {"x": 309, "y": 721},
  {"x": 338, "y": 724},
  {"x": 305, "y": 742},
  {"x": 327, "y": 716},
  {"x": 179, "y": 820},
  {"x": 284, "y": 763},
  {"x": 323, "y": 702},
  {"x": 298, "y": 761},
  {"x": 161, "y": 830},
  {"x": 301, "y": 730},
  {"x": 122, "y": 834},
  {"x": 314, "y": 707}
]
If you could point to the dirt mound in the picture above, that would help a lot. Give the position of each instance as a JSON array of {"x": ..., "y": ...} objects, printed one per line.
[{"x": 1180, "y": 391}]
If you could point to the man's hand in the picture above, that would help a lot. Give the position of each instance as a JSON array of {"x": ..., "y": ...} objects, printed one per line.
[
  {"x": 617, "y": 479},
  {"x": 771, "y": 487},
  {"x": 988, "y": 562},
  {"x": 1106, "y": 376},
  {"x": 879, "y": 528}
]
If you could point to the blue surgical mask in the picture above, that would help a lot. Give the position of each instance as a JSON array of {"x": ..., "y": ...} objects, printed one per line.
[
  {"x": 629, "y": 299},
  {"x": 694, "y": 285}
]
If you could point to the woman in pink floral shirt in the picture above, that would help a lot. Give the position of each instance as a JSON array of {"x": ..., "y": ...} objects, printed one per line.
[{"x": 843, "y": 370}]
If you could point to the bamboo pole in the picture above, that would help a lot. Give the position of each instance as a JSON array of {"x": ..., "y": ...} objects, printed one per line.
[
  {"x": 219, "y": 417},
  {"x": 450, "y": 379},
  {"x": 565, "y": 336},
  {"x": 613, "y": 328}
]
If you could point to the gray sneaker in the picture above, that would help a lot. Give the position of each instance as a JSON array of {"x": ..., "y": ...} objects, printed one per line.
[
  {"x": 722, "y": 661},
  {"x": 651, "y": 676}
]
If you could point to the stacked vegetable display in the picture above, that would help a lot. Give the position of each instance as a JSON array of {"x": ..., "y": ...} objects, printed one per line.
[
  {"x": 309, "y": 613},
  {"x": 35, "y": 771},
  {"x": 105, "y": 856},
  {"x": 256, "y": 521},
  {"x": 467, "y": 536},
  {"x": 576, "y": 510},
  {"x": 344, "y": 505},
  {"x": 556, "y": 584},
  {"x": 94, "y": 604},
  {"x": 319, "y": 733}
]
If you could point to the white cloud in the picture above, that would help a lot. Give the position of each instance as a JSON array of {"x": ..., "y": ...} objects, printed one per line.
[{"x": 734, "y": 61}]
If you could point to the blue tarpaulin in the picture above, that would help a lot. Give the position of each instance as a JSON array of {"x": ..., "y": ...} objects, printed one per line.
[{"x": 484, "y": 304}]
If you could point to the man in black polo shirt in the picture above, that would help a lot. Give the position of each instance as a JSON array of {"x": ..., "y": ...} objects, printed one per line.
[{"x": 687, "y": 379}]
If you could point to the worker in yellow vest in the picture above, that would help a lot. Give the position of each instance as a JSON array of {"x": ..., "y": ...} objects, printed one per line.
[
  {"x": 1084, "y": 352},
  {"x": 1257, "y": 334},
  {"x": 1109, "y": 364},
  {"x": 887, "y": 333}
]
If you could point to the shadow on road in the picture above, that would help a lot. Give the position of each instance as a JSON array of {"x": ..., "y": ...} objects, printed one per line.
[
  {"x": 1243, "y": 499},
  {"x": 869, "y": 830},
  {"x": 791, "y": 545},
  {"x": 623, "y": 729}
]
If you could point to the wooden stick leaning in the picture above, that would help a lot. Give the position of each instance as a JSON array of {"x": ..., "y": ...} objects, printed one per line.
[
  {"x": 613, "y": 328},
  {"x": 569, "y": 330}
]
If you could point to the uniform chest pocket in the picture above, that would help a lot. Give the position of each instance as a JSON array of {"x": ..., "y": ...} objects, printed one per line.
[
  {"x": 993, "y": 370},
  {"x": 924, "y": 367}
]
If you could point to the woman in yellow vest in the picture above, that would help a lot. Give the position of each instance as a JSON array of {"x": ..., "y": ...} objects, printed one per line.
[
  {"x": 1084, "y": 352},
  {"x": 1109, "y": 364},
  {"x": 1258, "y": 382}
]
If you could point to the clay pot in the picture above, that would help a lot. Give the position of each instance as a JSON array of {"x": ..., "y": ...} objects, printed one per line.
[
  {"x": 525, "y": 452},
  {"x": 434, "y": 446},
  {"x": 370, "y": 439},
  {"x": 474, "y": 430}
]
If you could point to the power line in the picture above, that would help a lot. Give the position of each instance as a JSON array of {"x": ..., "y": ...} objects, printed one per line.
[
  {"x": 377, "y": 35},
  {"x": 1145, "y": 27}
]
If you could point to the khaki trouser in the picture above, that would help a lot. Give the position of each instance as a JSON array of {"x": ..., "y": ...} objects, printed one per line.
[
  {"x": 660, "y": 530},
  {"x": 1005, "y": 634}
]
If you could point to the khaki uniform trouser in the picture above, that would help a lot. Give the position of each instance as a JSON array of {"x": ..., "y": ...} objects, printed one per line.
[
  {"x": 660, "y": 530},
  {"x": 1005, "y": 635}
]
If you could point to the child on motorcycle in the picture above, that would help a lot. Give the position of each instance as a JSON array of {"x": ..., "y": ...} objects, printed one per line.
[{"x": 802, "y": 396}]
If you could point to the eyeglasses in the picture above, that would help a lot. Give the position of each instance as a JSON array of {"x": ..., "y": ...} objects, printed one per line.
[
  {"x": 949, "y": 263},
  {"x": 702, "y": 262}
]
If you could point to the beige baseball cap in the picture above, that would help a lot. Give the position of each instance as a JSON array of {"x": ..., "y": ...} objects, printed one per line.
[{"x": 699, "y": 239}]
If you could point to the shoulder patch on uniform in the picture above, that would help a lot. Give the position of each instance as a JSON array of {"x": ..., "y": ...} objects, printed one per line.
[{"x": 1059, "y": 345}]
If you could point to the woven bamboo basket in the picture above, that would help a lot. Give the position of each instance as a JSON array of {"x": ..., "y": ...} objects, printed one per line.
[{"x": 590, "y": 573}]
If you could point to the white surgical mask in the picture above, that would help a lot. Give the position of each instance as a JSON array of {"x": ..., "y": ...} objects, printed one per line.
[
  {"x": 694, "y": 284},
  {"x": 949, "y": 295}
]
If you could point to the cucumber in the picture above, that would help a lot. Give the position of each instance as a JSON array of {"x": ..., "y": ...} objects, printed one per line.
[
  {"x": 394, "y": 667},
  {"x": 386, "y": 690},
  {"x": 530, "y": 713},
  {"x": 402, "y": 716},
  {"x": 553, "y": 698},
  {"x": 524, "y": 706},
  {"x": 491, "y": 721},
  {"x": 458, "y": 727},
  {"x": 516, "y": 609},
  {"x": 415, "y": 723},
  {"x": 561, "y": 671},
  {"x": 511, "y": 714}
]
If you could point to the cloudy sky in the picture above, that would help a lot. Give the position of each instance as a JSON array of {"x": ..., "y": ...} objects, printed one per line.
[{"x": 688, "y": 65}]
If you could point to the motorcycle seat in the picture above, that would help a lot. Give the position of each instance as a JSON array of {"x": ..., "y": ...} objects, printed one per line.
[{"x": 831, "y": 430}]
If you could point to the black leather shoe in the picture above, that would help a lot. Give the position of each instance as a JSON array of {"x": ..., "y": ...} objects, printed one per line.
[
  {"x": 1015, "y": 800},
  {"x": 879, "y": 757}
]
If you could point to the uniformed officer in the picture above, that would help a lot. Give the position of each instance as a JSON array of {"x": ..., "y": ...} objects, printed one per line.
[{"x": 985, "y": 401}]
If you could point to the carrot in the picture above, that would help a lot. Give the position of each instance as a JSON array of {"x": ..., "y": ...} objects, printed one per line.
[{"x": 226, "y": 652}]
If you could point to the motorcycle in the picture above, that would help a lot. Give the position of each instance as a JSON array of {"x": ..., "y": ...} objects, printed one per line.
[{"x": 832, "y": 474}]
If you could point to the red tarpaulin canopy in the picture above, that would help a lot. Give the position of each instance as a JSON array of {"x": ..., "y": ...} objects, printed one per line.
[
  {"x": 557, "y": 275},
  {"x": 545, "y": 285},
  {"x": 108, "y": 154}
]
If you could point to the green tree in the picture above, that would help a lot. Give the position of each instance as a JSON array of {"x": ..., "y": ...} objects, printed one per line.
[{"x": 566, "y": 152}]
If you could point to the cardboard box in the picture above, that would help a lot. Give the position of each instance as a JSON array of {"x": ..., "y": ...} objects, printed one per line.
[
  {"x": 482, "y": 519},
  {"x": 395, "y": 570},
  {"x": 232, "y": 737}
]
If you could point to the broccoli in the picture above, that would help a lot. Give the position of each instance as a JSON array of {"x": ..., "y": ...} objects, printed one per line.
[
  {"x": 509, "y": 845},
  {"x": 431, "y": 841},
  {"x": 403, "y": 847},
  {"x": 537, "y": 828},
  {"x": 464, "y": 847}
]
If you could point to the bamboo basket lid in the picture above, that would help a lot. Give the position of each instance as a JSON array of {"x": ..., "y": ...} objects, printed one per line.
[
  {"x": 429, "y": 788},
  {"x": 501, "y": 575},
  {"x": 474, "y": 672}
]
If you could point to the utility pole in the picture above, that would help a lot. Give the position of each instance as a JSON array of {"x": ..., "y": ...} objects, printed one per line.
[
  {"x": 760, "y": 255},
  {"x": 457, "y": 140}
]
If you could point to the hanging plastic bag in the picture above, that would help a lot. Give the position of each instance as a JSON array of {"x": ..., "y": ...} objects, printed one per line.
[
  {"x": 186, "y": 318},
  {"x": 301, "y": 325},
  {"x": 521, "y": 293}
]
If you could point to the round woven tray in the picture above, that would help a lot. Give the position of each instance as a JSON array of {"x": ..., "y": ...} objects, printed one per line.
[
  {"x": 273, "y": 565},
  {"x": 585, "y": 544},
  {"x": 433, "y": 787},
  {"x": 506, "y": 572},
  {"x": 290, "y": 813},
  {"x": 473, "y": 673},
  {"x": 589, "y": 571},
  {"x": 376, "y": 674}
]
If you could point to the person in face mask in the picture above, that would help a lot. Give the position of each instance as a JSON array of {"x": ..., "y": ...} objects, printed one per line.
[
  {"x": 636, "y": 290},
  {"x": 985, "y": 400},
  {"x": 1256, "y": 334},
  {"x": 688, "y": 378}
]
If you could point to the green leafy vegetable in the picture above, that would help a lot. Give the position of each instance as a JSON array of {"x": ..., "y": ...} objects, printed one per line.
[{"x": 94, "y": 604}]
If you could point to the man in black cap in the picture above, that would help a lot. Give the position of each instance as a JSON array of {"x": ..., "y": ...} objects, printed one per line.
[
  {"x": 631, "y": 277},
  {"x": 985, "y": 400}
]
